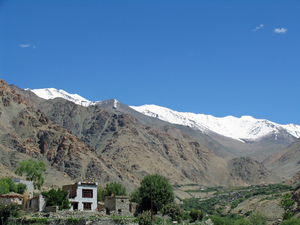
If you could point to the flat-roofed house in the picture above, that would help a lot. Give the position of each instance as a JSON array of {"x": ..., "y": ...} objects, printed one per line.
[{"x": 82, "y": 195}]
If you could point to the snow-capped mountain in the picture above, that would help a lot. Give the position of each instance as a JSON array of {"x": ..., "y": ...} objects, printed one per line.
[
  {"x": 244, "y": 128},
  {"x": 51, "y": 93}
]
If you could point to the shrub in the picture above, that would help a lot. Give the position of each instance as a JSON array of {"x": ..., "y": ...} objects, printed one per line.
[
  {"x": 287, "y": 204},
  {"x": 257, "y": 219},
  {"x": 196, "y": 215},
  {"x": 8, "y": 210},
  {"x": 145, "y": 218},
  {"x": 217, "y": 220},
  {"x": 174, "y": 211},
  {"x": 37, "y": 221},
  {"x": 241, "y": 222},
  {"x": 292, "y": 221},
  {"x": 73, "y": 220}
]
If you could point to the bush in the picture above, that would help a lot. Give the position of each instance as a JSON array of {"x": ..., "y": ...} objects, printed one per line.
[
  {"x": 174, "y": 211},
  {"x": 241, "y": 222},
  {"x": 37, "y": 221},
  {"x": 73, "y": 220},
  {"x": 145, "y": 218},
  {"x": 217, "y": 220},
  {"x": 8, "y": 210},
  {"x": 292, "y": 221},
  {"x": 257, "y": 219},
  {"x": 287, "y": 204},
  {"x": 196, "y": 215}
]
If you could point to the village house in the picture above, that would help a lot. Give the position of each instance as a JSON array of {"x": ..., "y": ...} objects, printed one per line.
[
  {"x": 11, "y": 198},
  {"x": 119, "y": 205},
  {"x": 82, "y": 195}
]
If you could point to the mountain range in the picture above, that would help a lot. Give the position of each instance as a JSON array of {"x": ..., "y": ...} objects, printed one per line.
[
  {"x": 114, "y": 142},
  {"x": 235, "y": 137}
]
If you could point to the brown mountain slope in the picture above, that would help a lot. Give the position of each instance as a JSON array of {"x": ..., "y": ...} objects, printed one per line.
[
  {"x": 28, "y": 133},
  {"x": 251, "y": 171},
  {"x": 125, "y": 149},
  {"x": 286, "y": 163}
]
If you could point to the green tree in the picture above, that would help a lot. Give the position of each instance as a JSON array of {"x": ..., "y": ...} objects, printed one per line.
[
  {"x": 34, "y": 171},
  {"x": 11, "y": 184},
  {"x": 4, "y": 187},
  {"x": 115, "y": 188},
  {"x": 100, "y": 194},
  {"x": 57, "y": 197},
  {"x": 111, "y": 188},
  {"x": 257, "y": 219},
  {"x": 21, "y": 188},
  {"x": 287, "y": 204},
  {"x": 162, "y": 192},
  {"x": 135, "y": 196}
]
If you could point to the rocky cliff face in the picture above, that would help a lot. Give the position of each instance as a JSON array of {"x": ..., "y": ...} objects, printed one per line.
[{"x": 91, "y": 141}]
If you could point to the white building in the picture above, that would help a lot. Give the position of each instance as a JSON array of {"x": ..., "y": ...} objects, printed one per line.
[
  {"x": 28, "y": 183},
  {"x": 82, "y": 195}
]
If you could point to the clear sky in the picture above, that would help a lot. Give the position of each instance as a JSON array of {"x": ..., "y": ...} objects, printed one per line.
[{"x": 212, "y": 57}]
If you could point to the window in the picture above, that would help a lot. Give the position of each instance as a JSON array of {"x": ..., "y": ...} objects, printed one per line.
[
  {"x": 87, "y": 193},
  {"x": 87, "y": 206}
]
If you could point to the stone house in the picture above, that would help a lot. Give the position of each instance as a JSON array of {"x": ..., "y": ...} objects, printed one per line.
[
  {"x": 119, "y": 205},
  {"x": 37, "y": 203},
  {"x": 11, "y": 198},
  {"x": 82, "y": 195}
]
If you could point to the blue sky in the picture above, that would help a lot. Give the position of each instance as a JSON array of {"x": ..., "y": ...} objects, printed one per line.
[{"x": 213, "y": 57}]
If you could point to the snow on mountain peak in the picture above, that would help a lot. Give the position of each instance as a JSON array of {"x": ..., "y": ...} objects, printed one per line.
[
  {"x": 51, "y": 93},
  {"x": 244, "y": 128}
]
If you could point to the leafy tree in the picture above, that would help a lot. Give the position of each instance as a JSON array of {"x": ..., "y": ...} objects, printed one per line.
[
  {"x": 257, "y": 219},
  {"x": 21, "y": 188},
  {"x": 287, "y": 204},
  {"x": 34, "y": 171},
  {"x": 162, "y": 192},
  {"x": 11, "y": 184},
  {"x": 135, "y": 196},
  {"x": 111, "y": 188},
  {"x": 57, "y": 197},
  {"x": 115, "y": 188},
  {"x": 4, "y": 187},
  {"x": 100, "y": 194}
]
